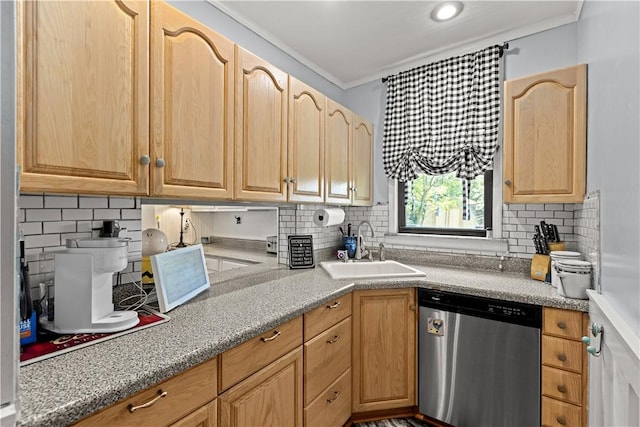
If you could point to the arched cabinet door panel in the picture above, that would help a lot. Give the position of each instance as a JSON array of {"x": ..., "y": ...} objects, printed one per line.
[
  {"x": 192, "y": 70},
  {"x": 545, "y": 137},
  {"x": 261, "y": 129},
  {"x": 83, "y": 96}
]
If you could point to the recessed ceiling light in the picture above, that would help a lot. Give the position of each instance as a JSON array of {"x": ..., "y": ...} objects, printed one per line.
[{"x": 446, "y": 10}]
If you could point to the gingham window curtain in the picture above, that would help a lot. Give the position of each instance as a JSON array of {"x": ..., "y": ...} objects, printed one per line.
[{"x": 443, "y": 117}]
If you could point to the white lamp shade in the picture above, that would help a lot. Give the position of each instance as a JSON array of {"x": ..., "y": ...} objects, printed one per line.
[{"x": 154, "y": 241}]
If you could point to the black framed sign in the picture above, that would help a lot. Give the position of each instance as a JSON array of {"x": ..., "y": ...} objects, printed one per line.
[{"x": 301, "y": 252}]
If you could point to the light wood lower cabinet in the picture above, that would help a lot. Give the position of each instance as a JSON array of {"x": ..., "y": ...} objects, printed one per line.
[
  {"x": 564, "y": 368},
  {"x": 270, "y": 397},
  {"x": 332, "y": 407},
  {"x": 189, "y": 401},
  {"x": 207, "y": 416},
  {"x": 384, "y": 349}
]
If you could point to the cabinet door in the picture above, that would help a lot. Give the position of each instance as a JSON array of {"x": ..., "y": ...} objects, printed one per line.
[
  {"x": 338, "y": 154},
  {"x": 384, "y": 349},
  {"x": 261, "y": 129},
  {"x": 192, "y": 107},
  {"x": 306, "y": 143},
  {"x": 270, "y": 397},
  {"x": 206, "y": 416},
  {"x": 83, "y": 96},
  {"x": 545, "y": 137},
  {"x": 362, "y": 162}
]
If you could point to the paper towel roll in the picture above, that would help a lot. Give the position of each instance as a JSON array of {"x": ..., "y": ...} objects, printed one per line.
[{"x": 327, "y": 217}]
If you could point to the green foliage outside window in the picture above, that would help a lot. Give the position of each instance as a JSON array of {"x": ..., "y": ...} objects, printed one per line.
[{"x": 436, "y": 202}]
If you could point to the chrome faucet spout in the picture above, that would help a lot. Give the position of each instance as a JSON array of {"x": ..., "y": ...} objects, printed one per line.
[{"x": 360, "y": 246}]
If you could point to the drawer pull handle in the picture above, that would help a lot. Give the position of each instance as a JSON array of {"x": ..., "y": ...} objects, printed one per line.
[
  {"x": 562, "y": 388},
  {"x": 334, "y": 339},
  {"x": 160, "y": 395},
  {"x": 562, "y": 325},
  {"x": 562, "y": 357},
  {"x": 561, "y": 420},
  {"x": 335, "y": 396},
  {"x": 276, "y": 334},
  {"x": 334, "y": 305}
]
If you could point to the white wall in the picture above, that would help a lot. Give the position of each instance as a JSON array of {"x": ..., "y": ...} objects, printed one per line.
[
  {"x": 609, "y": 42},
  {"x": 254, "y": 225},
  {"x": 242, "y": 36}
]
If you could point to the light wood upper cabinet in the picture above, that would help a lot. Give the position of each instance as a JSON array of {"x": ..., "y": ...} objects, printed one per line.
[
  {"x": 270, "y": 397},
  {"x": 545, "y": 137},
  {"x": 306, "y": 143},
  {"x": 192, "y": 70},
  {"x": 362, "y": 162},
  {"x": 83, "y": 77},
  {"x": 384, "y": 349},
  {"x": 261, "y": 129},
  {"x": 338, "y": 152}
]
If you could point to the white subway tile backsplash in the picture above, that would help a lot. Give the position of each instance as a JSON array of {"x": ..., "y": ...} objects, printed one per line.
[
  {"x": 77, "y": 214},
  {"x": 31, "y": 202},
  {"x": 43, "y": 215},
  {"x": 41, "y": 241},
  {"x": 122, "y": 203},
  {"x": 534, "y": 207},
  {"x": 31, "y": 228},
  {"x": 131, "y": 214},
  {"x": 94, "y": 202},
  {"x": 59, "y": 227},
  {"x": 106, "y": 214},
  {"x": 60, "y": 201}
]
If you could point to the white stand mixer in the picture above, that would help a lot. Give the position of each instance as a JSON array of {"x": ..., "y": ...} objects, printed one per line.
[{"x": 84, "y": 288}]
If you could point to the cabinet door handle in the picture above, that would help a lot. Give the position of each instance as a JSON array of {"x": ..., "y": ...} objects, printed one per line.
[
  {"x": 286, "y": 180},
  {"x": 160, "y": 395},
  {"x": 562, "y": 388},
  {"x": 335, "y": 396},
  {"x": 292, "y": 180},
  {"x": 562, "y": 357},
  {"x": 276, "y": 334},
  {"x": 160, "y": 162},
  {"x": 145, "y": 160},
  {"x": 561, "y": 420},
  {"x": 334, "y": 305},
  {"x": 334, "y": 339},
  {"x": 507, "y": 182},
  {"x": 562, "y": 325}
]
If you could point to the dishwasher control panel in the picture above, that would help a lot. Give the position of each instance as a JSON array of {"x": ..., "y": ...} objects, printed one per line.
[{"x": 506, "y": 311}]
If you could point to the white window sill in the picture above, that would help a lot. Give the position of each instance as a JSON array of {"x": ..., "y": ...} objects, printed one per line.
[{"x": 457, "y": 243}]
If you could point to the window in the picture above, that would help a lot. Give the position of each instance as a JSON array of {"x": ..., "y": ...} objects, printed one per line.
[{"x": 433, "y": 205}]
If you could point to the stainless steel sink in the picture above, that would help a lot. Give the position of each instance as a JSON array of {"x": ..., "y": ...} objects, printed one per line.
[{"x": 369, "y": 270}]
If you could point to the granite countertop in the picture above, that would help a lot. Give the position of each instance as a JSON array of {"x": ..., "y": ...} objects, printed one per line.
[{"x": 241, "y": 304}]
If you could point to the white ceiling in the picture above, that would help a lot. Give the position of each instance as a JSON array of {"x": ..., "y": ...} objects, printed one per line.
[{"x": 354, "y": 42}]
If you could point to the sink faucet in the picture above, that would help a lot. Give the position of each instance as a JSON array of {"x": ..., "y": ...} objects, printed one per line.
[{"x": 360, "y": 247}]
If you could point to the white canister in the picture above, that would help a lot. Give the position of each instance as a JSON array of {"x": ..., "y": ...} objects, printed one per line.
[
  {"x": 558, "y": 255},
  {"x": 574, "y": 278}
]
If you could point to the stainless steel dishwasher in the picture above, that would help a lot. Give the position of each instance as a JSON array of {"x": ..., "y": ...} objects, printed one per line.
[{"x": 478, "y": 360}]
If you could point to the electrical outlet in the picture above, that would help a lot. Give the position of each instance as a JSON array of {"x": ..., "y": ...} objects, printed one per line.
[{"x": 238, "y": 219}]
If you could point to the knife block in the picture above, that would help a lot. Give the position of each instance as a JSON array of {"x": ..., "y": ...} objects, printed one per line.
[
  {"x": 557, "y": 246},
  {"x": 540, "y": 267}
]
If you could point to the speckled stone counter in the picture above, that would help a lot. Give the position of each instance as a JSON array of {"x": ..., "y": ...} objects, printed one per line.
[{"x": 240, "y": 304}]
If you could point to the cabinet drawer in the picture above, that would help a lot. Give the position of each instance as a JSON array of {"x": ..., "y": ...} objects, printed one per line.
[
  {"x": 245, "y": 359},
  {"x": 333, "y": 406},
  {"x": 562, "y": 385},
  {"x": 560, "y": 414},
  {"x": 330, "y": 313},
  {"x": 562, "y": 323},
  {"x": 562, "y": 353},
  {"x": 325, "y": 358},
  {"x": 186, "y": 392}
]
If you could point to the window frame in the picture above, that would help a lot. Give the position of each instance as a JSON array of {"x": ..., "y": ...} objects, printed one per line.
[{"x": 488, "y": 214}]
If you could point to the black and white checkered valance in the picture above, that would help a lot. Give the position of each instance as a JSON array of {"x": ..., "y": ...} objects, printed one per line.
[{"x": 443, "y": 117}]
